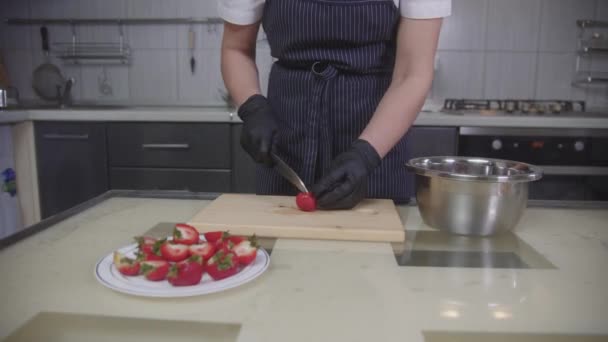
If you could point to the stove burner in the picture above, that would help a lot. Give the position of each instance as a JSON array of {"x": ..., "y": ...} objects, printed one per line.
[{"x": 532, "y": 107}]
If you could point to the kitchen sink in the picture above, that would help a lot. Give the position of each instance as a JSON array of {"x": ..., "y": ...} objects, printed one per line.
[
  {"x": 457, "y": 336},
  {"x": 65, "y": 327}
]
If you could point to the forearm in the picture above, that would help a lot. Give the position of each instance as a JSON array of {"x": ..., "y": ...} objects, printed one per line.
[
  {"x": 412, "y": 78},
  {"x": 238, "y": 66},
  {"x": 396, "y": 112}
]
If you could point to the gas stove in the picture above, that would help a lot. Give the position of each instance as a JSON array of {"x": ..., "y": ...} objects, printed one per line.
[{"x": 514, "y": 107}]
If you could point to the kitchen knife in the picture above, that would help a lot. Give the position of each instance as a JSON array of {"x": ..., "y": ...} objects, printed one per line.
[{"x": 288, "y": 173}]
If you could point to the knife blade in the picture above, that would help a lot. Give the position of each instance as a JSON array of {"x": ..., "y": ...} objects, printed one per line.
[{"x": 288, "y": 173}]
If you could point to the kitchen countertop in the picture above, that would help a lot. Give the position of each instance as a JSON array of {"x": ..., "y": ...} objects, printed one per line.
[
  {"x": 221, "y": 114},
  {"x": 328, "y": 290}
]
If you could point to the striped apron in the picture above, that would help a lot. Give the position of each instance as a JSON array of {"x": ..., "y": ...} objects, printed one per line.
[{"x": 334, "y": 64}]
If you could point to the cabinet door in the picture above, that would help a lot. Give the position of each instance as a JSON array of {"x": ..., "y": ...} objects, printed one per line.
[
  {"x": 243, "y": 167},
  {"x": 72, "y": 164},
  {"x": 430, "y": 141},
  {"x": 171, "y": 145},
  {"x": 193, "y": 180}
]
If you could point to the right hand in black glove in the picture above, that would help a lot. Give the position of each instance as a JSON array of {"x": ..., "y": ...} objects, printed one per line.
[{"x": 259, "y": 136}]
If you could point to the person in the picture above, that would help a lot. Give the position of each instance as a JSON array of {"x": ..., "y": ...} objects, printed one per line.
[{"x": 349, "y": 79}]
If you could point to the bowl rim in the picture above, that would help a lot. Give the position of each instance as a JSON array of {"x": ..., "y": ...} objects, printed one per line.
[{"x": 529, "y": 172}]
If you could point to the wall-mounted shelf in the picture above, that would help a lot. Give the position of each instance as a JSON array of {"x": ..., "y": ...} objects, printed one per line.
[
  {"x": 591, "y": 78},
  {"x": 113, "y": 21},
  {"x": 592, "y": 45},
  {"x": 591, "y": 23}
]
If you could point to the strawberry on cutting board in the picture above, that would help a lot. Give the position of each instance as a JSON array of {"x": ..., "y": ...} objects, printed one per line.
[
  {"x": 126, "y": 266},
  {"x": 186, "y": 273},
  {"x": 175, "y": 252},
  {"x": 246, "y": 251},
  {"x": 222, "y": 265},
  {"x": 205, "y": 250},
  {"x": 155, "y": 270},
  {"x": 185, "y": 234}
]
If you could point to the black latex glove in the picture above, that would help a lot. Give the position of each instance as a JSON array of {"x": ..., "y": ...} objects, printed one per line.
[
  {"x": 345, "y": 184},
  {"x": 259, "y": 129}
]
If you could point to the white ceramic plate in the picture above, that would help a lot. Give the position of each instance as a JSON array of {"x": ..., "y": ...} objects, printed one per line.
[{"x": 107, "y": 274}]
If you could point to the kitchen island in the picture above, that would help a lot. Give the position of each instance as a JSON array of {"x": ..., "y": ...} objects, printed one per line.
[{"x": 325, "y": 290}]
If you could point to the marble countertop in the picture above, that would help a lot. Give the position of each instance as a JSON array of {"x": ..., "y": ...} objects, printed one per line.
[
  {"x": 222, "y": 114},
  {"x": 335, "y": 291}
]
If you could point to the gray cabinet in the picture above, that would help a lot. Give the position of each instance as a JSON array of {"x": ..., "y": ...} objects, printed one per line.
[
  {"x": 72, "y": 164},
  {"x": 243, "y": 167},
  {"x": 170, "y": 156},
  {"x": 423, "y": 141}
]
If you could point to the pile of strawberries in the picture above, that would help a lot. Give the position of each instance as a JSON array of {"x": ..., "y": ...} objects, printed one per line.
[{"x": 184, "y": 259}]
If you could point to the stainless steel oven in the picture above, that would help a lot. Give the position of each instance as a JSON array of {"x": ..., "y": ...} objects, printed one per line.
[{"x": 575, "y": 161}]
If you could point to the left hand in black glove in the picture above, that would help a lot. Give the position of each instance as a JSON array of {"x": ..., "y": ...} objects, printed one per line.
[{"x": 345, "y": 184}]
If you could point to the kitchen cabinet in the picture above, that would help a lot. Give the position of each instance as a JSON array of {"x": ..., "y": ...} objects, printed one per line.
[
  {"x": 174, "y": 145},
  {"x": 243, "y": 167},
  {"x": 171, "y": 179},
  {"x": 72, "y": 164},
  {"x": 424, "y": 141},
  {"x": 170, "y": 156}
]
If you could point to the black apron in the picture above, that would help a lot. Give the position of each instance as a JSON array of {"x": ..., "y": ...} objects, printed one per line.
[{"x": 334, "y": 64}]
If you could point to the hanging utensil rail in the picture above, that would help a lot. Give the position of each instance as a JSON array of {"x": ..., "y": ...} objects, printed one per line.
[{"x": 112, "y": 21}]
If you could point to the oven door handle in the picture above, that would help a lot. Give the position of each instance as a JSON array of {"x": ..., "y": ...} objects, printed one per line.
[
  {"x": 533, "y": 132},
  {"x": 558, "y": 170}
]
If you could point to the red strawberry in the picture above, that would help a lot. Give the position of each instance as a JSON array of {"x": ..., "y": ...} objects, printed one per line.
[
  {"x": 306, "y": 201},
  {"x": 145, "y": 256},
  {"x": 185, "y": 234},
  {"x": 205, "y": 250},
  {"x": 225, "y": 246},
  {"x": 126, "y": 266},
  {"x": 155, "y": 270},
  {"x": 222, "y": 265},
  {"x": 213, "y": 236},
  {"x": 174, "y": 251},
  {"x": 235, "y": 239},
  {"x": 246, "y": 251},
  {"x": 187, "y": 272},
  {"x": 148, "y": 248},
  {"x": 145, "y": 240}
]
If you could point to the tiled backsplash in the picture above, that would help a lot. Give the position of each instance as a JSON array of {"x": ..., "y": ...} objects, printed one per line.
[{"x": 488, "y": 48}]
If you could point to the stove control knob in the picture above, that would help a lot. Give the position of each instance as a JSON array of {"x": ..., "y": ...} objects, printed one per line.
[
  {"x": 579, "y": 146},
  {"x": 496, "y": 144}
]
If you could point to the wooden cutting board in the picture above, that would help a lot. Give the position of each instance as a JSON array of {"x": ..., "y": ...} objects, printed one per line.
[{"x": 278, "y": 216}]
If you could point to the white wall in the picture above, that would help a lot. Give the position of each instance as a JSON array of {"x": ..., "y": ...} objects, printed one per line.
[{"x": 488, "y": 48}]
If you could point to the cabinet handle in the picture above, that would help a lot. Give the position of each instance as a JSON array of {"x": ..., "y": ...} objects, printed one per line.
[
  {"x": 55, "y": 136},
  {"x": 165, "y": 146}
]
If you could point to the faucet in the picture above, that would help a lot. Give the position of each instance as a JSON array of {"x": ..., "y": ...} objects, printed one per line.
[{"x": 65, "y": 99}]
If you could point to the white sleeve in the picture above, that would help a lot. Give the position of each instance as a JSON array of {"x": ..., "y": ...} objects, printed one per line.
[
  {"x": 425, "y": 9},
  {"x": 240, "y": 12}
]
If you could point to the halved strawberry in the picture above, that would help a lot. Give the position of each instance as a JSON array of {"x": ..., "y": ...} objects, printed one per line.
[
  {"x": 145, "y": 256},
  {"x": 126, "y": 266},
  {"x": 222, "y": 265},
  {"x": 235, "y": 239},
  {"x": 246, "y": 251},
  {"x": 205, "y": 250},
  {"x": 186, "y": 273},
  {"x": 144, "y": 240},
  {"x": 225, "y": 246},
  {"x": 185, "y": 234},
  {"x": 174, "y": 251},
  {"x": 213, "y": 236},
  {"x": 149, "y": 248},
  {"x": 155, "y": 270}
]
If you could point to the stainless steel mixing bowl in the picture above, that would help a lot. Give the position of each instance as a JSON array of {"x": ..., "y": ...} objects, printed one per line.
[{"x": 472, "y": 196}]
